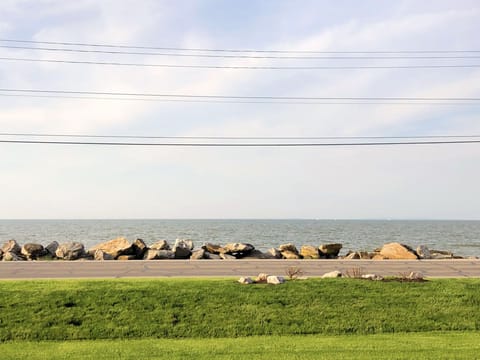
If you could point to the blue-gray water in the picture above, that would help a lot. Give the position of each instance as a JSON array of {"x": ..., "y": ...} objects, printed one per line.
[{"x": 461, "y": 237}]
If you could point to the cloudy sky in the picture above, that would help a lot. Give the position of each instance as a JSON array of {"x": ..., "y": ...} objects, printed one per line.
[{"x": 407, "y": 182}]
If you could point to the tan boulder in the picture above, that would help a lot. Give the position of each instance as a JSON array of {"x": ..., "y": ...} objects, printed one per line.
[
  {"x": 160, "y": 245},
  {"x": 238, "y": 249},
  {"x": 12, "y": 246},
  {"x": 33, "y": 251},
  {"x": 102, "y": 255},
  {"x": 309, "y": 252},
  {"x": 330, "y": 251},
  {"x": 288, "y": 247},
  {"x": 397, "y": 251},
  {"x": 115, "y": 247},
  {"x": 290, "y": 255},
  {"x": 70, "y": 251},
  {"x": 213, "y": 248}
]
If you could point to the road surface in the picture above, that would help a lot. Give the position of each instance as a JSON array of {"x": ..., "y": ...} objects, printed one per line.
[{"x": 221, "y": 268}]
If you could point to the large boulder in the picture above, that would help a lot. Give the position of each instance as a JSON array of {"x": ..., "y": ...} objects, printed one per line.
[
  {"x": 153, "y": 254},
  {"x": 52, "y": 248},
  {"x": 213, "y": 248},
  {"x": 423, "y": 252},
  {"x": 329, "y": 251},
  {"x": 70, "y": 251},
  {"x": 12, "y": 246},
  {"x": 139, "y": 248},
  {"x": 309, "y": 252},
  {"x": 160, "y": 245},
  {"x": 441, "y": 254},
  {"x": 397, "y": 251},
  {"x": 238, "y": 249},
  {"x": 33, "y": 251},
  {"x": 257, "y": 254},
  {"x": 102, "y": 255},
  {"x": 332, "y": 274},
  {"x": 274, "y": 253},
  {"x": 288, "y": 247},
  {"x": 225, "y": 256},
  {"x": 115, "y": 247},
  {"x": 198, "y": 254},
  {"x": 290, "y": 255},
  {"x": 275, "y": 280},
  {"x": 183, "y": 249},
  {"x": 11, "y": 256}
]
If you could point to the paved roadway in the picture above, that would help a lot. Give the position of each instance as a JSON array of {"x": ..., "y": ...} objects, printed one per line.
[{"x": 235, "y": 268}]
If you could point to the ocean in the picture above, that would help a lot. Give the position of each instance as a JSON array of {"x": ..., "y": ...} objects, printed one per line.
[{"x": 460, "y": 237}]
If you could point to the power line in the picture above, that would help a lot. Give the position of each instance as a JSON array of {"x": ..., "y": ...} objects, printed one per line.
[
  {"x": 102, "y": 98},
  {"x": 241, "y": 144},
  {"x": 239, "y": 50},
  {"x": 239, "y": 137},
  {"x": 242, "y": 67},
  {"x": 330, "y": 57},
  {"x": 239, "y": 97}
]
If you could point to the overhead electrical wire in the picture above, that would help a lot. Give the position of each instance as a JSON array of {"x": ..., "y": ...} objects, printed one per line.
[
  {"x": 65, "y": 43},
  {"x": 242, "y": 97},
  {"x": 289, "y": 57},
  {"x": 311, "y": 144},
  {"x": 241, "y": 66}
]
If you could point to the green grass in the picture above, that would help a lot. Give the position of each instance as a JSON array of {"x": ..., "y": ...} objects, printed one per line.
[
  {"x": 185, "y": 308},
  {"x": 417, "y": 346}
]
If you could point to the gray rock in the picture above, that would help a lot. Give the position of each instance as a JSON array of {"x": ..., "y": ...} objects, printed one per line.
[
  {"x": 262, "y": 278},
  {"x": 52, "y": 248},
  {"x": 332, "y": 274},
  {"x": 184, "y": 243},
  {"x": 153, "y": 254},
  {"x": 352, "y": 256},
  {"x": 441, "y": 254},
  {"x": 102, "y": 255},
  {"x": 245, "y": 280},
  {"x": 288, "y": 247},
  {"x": 11, "y": 256},
  {"x": 33, "y": 251},
  {"x": 274, "y": 253},
  {"x": 423, "y": 252},
  {"x": 227, "y": 257},
  {"x": 181, "y": 252},
  {"x": 12, "y": 246},
  {"x": 139, "y": 248},
  {"x": 290, "y": 255},
  {"x": 212, "y": 256},
  {"x": 70, "y": 251},
  {"x": 275, "y": 280},
  {"x": 160, "y": 245},
  {"x": 198, "y": 254},
  {"x": 374, "y": 277},
  {"x": 257, "y": 254},
  {"x": 330, "y": 251}
]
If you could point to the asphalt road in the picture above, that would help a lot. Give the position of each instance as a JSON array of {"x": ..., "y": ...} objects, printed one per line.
[{"x": 221, "y": 268}]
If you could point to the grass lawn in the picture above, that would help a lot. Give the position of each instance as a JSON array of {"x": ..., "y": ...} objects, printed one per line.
[
  {"x": 182, "y": 308},
  {"x": 449, "y": 345}
]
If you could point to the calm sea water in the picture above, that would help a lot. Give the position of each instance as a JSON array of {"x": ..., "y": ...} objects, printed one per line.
[{"x": 461, "y": 237}]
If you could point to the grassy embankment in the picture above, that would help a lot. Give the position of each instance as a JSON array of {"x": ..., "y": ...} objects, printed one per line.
[{"x": 210, "y": 316}]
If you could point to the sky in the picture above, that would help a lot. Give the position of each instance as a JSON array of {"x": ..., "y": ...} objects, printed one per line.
[{"x": 384, "y": 182}]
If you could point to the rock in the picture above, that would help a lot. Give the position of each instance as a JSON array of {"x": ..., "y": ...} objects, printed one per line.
[
  {"x": 309, "y": 252},
  {"x": 212, "y": 256},
  {"x": 52, "y": 248},
  {"x": 33, "y": 251},
  {"x": 352, "y": 256},
  {"x": 11, "y": 256},
  {"x": 115, "y": 247},
  {"x": 160, "y": 245},
  {"x": 275, "y": 280},
  {"x": 184, "y": 243},
  {"x": 238, "y": 249},
  {"x": 197, "y": 254},
  {"x": 102, "y": 255},
  {"x": 70, "y": 251},
  {"x": 423, "y": 252},
  {"x": 440, "y": 254},
  {"x": 257, "y": 254},
  {"x": 288, "y": 247},
  {"x": 290, "y": 255},
  {"x": 372, "y": 277},
  {"x": 12, "y": 246},
  {"x": 183, "y": 249},
  {"x": 153, "y": 254},
  {"x": 330, "y": 251},
  {"x": 224, "y": 256},
  {"x": 397, "y": 251},
  {"x": 415, "y": 275},
  {"x": 275, "y": 253},
  {"x": 262, "y": 278},
  {"x": 245, "y": 280},
  {"x": 212, "y": 248},
  {"x": 139, "y": 248},
  {"x": 1, "y": 254},
  {"x": 332, "y": 274},
  {"x": 127, "y": 257}
]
